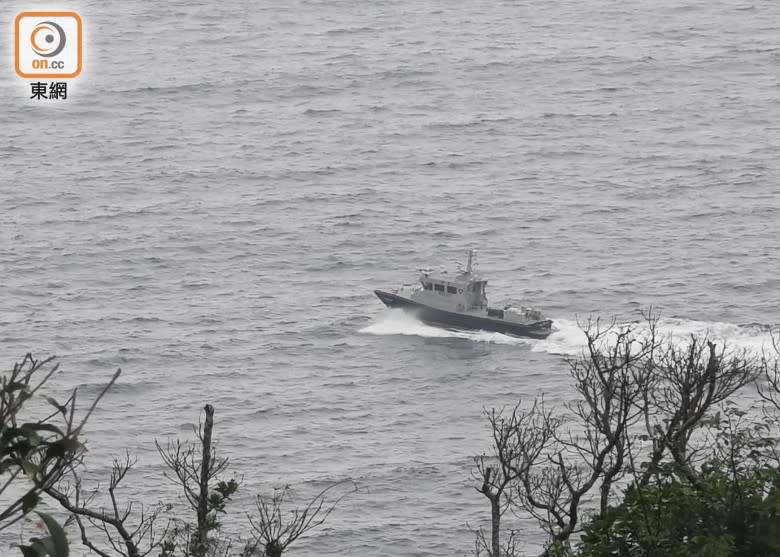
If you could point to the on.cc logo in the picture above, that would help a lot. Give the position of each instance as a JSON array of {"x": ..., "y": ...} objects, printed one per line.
[
  {"x": 48, "y": 45},
  {"x": 47, "y": 39}
]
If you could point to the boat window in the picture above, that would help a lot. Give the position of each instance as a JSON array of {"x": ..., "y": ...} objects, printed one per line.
[
  {"x": 427, "y": 285},
  {"x": 452, "y": 290},
  {"x": 438, "y": 287}
]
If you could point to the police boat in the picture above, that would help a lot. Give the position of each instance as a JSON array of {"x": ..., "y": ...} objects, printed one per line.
[{"x": 459, "y": 301}]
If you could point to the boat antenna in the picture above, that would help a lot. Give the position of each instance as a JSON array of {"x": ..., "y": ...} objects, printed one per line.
[{"x": 472, "y": 260}]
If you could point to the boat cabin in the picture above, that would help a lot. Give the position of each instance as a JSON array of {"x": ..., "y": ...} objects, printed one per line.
[
  {"x": 462, "y": 292},
  {"x": 459, "y": 292},
  {"x": 446, "y": 288}
]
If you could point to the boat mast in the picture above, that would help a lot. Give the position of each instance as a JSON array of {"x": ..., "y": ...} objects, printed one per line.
[{"x": 472, "y": 260}]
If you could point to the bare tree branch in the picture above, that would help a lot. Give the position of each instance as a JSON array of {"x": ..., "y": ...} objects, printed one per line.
[{"x": 274, "y": 530}]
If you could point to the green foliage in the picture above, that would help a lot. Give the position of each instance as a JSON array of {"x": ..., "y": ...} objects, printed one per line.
[
  {"x": 37, "y": 454},
  {"x": 655, "y": 450},
  {"x": 216, "y": 503},
  {"x": 182, "y": 539},
  {"x": 196, "y": 469},
  {"x": 53, "y": 545},
  {"x": 218, "y": 499},
  {"x": 721, "y": 516},
  {"x": 727, "y": 506},
  {"x": 34, "y": 453}
]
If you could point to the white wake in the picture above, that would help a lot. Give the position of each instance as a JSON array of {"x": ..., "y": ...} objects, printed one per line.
[{"x": 568, "y": 338}]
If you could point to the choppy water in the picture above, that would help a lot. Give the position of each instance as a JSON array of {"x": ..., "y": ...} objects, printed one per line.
[{"x": 213, "y": 205}]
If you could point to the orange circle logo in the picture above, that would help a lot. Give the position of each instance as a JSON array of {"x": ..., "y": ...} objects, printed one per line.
[{"x": 47, "y": 39}]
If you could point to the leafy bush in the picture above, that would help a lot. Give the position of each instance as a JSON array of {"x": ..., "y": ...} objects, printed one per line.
[{"x": 720, "y": 517}]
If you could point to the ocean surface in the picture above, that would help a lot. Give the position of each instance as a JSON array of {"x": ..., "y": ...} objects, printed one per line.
[{"x": 226, "y": 184}]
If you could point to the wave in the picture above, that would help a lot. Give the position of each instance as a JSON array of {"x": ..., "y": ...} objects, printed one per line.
[
  {"x": 398, "y": 322},
  {"x": 568, "y": 338}
]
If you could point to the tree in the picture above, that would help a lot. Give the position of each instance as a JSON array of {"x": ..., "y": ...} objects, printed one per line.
[
  {"x": 731, "y": 509},
  {"x": 273, "y": 530},
  {"x": 37, "y": 447},
  {"x": 637, "y": 423},
  {"x": 519, "y": 439},
  {"x": 204, "y": 491},
  {"x": 127, "y": 529},
  {"x": 719, "y": 493},
  {"x": 134, "y": 529}
]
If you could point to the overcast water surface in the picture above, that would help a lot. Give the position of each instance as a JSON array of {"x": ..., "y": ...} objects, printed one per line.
[{"x": 226, "y": 184}]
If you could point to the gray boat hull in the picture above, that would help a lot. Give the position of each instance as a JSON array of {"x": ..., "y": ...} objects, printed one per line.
[{"x": 427, "y": 314}]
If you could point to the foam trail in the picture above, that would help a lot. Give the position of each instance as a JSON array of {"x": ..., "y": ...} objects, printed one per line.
[
  {"x": 569, "y": 340},
  {"x": 398, "y": 322},
  {"x": 754, "y": 339}
]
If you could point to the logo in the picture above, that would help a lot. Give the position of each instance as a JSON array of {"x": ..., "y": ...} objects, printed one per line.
[
  {"x": 48, "y": 29},
  {"x": 48, "y": 44}
]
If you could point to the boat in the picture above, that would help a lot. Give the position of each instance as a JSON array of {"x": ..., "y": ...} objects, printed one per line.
[{"x": 459, "y": 301}]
